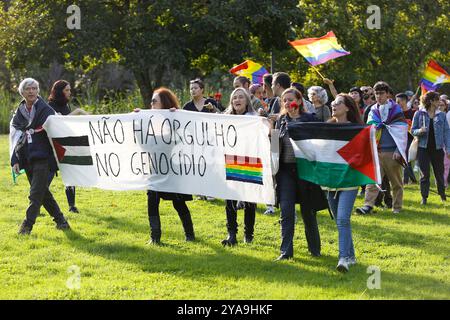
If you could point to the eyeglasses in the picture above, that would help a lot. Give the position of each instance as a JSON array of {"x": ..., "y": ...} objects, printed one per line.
[{"x": 336, "y": 103}]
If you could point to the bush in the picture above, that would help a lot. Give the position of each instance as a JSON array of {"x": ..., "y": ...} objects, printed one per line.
[{"x": 8, "y": 104}]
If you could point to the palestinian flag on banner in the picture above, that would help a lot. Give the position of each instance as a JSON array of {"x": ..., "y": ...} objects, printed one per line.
[
  {"x": 335, "y": 155},
  {"x": 73, "y": 150}
]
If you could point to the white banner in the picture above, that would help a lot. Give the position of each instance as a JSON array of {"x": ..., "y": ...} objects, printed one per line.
[{"x": 222, "y": 156}]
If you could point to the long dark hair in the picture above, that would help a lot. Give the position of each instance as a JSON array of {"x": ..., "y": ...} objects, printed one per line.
[
  {"x": 297, "y": 95},
  {"x": 353, "y": 114},
  {"x": 428, "y": 98},
  {"x": 57, "y": 94}
]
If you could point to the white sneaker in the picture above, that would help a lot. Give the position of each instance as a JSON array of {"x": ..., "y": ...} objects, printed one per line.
[
  {"x": 351, "y": 261},
  {"x": 342, "y": 265},
  {"x": 270, "y": 210}
]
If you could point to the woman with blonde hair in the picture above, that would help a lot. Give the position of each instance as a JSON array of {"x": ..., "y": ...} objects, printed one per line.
[{"x": 240, "y": 104}]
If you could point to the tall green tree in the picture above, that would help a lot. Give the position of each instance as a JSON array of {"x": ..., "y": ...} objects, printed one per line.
[
  {"x": 150, "y": 38},
  {"x": 411, "y": 32}
]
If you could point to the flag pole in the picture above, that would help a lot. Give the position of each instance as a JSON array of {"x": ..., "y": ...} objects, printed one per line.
[
  {"x": 315, "y": 69},
  {"x": 418, "y": 88}
]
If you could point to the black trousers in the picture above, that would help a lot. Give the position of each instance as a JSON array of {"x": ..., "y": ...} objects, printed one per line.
[
  {"x": 249, "y": 217},
  {"x": 436, "y": 158},
  {"x": 289, "y": 186},
  {"x": 70, "y": 194},
  {"x": 70, "y": 191},
  {"x": 180, "y": 206},
  {"x": 385, "y": 196},
  {"x": 40, "y": 195}
]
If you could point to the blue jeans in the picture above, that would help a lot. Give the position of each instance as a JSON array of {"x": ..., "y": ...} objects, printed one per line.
[{"x": 341, "y": 204}]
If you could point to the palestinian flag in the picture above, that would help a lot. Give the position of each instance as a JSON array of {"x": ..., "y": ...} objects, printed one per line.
[
  {"x": 73, "y": 150},
  {"x": 335, "y": 155},
  {"x": 243, "y": 169}
]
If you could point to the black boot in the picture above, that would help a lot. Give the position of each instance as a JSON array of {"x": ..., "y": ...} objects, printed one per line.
[
  {"x": 231, "y": 240},
  {"x": 155, "y": 230},
  {"x": 248, "y": 235},
  {"x": 25, "y": 228},
  {"x": 61, "y": 223},
  {"x": 188, "y": 227},
  {"x": 248, "y": 238}
]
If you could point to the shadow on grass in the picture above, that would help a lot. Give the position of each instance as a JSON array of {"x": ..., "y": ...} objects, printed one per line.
[
  {"x": 391, "y": 236},
  {"x": 230, "y": 263},
  {"x": 411, "y": 215}
]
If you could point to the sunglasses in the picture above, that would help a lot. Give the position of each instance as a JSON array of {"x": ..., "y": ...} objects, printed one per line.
[{"x": 336, "y": 103}]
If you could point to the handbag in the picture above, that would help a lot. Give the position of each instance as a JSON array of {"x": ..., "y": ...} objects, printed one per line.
[{"x": 412, "y": 153}]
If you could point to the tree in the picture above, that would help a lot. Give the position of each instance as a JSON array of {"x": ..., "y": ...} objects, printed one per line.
[
  {"x": 411, "y": 33},
  {"x": 148, "y": 37}
]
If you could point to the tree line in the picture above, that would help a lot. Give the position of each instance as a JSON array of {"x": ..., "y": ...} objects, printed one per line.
[{"x": 167, "y": 42}]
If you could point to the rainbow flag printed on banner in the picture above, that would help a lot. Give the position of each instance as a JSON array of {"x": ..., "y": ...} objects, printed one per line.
[
  {"x": 244, "y": 169},
  {"x": 433, "y": 77},
  {"x": 319, "y": 50},
  {"x": 250, "y": 69}
]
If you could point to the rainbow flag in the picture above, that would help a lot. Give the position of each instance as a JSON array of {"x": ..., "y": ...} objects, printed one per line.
[
  {"x": 243, "y": 169},
  {"x": 250, "y": 69},
  {"x": 423, "y": 89},
  {"x": 434, "y": 76},
  {"x": 319, "y": 50}
]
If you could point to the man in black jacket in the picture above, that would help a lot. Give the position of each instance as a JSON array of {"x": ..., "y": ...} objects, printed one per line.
[{"x": 34, "y": 153}]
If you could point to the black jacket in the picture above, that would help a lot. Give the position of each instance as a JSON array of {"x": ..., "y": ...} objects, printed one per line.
[
  {"x": 308, "y": 194},
  {"x": 62, "y": 109},
  {"x": 40, "y": 147},
  {"x": 190, "y": 106}
]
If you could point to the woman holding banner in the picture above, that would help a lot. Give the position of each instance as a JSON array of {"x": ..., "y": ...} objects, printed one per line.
[
  {"x": 34, "y": 153},
  {"x": 240, "y": 104},
  {"x": 163, "y": 98},
  {"x": 341, "y": 201},
  {"x": 58, "y": 99},
  {"x": 291, "y": 189}
]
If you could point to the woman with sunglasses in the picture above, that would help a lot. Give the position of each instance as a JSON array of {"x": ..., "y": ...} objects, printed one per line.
[
  {"x": 163, "y": 98},
  {"x": 341, "y": 201}
]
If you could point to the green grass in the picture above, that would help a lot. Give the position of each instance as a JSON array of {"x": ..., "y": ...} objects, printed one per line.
[{"x": 108, "y": 245}]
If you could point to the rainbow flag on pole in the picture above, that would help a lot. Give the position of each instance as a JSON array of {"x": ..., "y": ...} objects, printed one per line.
[
  {"x": 434, "y": 76},
  {"x": 250, "y": 69},
  {"x": 243, "y": 169},
  {"x": 319, "y": 50}
]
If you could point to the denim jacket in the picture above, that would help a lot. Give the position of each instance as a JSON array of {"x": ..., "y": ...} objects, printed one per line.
[{"x": 441, "y": 129}]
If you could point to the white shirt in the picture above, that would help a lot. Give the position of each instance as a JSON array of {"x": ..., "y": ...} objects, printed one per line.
[{"x": 384, "y": 111}]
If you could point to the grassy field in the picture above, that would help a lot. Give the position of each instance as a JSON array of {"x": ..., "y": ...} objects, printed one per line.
[{"x": 108, "y": 245}]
